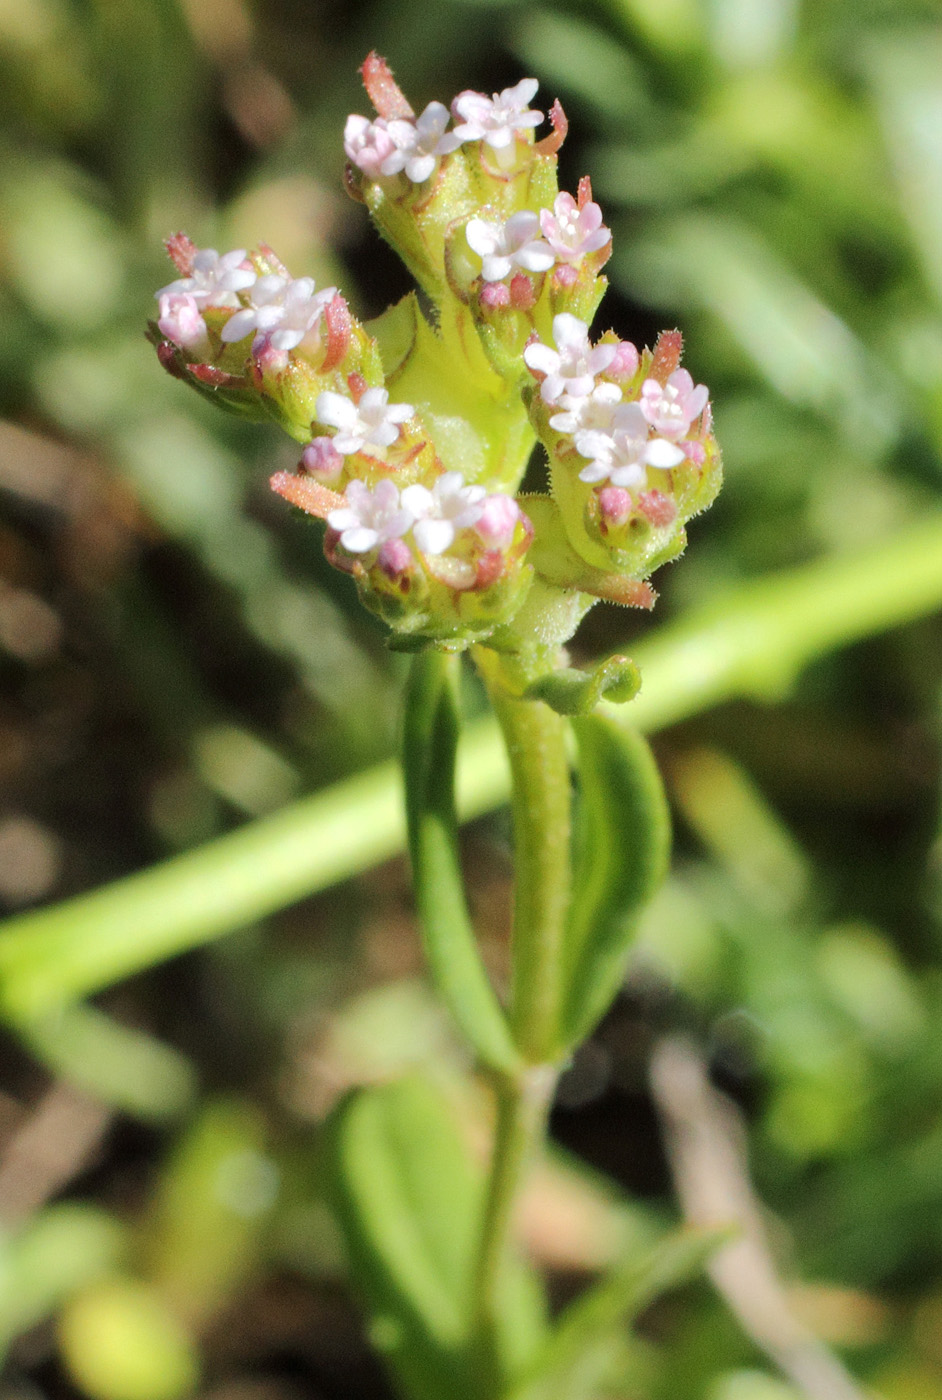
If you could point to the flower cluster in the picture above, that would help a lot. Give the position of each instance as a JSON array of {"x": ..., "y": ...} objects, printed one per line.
[{"x": 415, "y": 432}]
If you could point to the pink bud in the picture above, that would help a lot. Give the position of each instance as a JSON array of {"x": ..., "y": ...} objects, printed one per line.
[
  {"x": 322, "y": 459},
  {"x": 625, "y": 363},
  {"x": 495, "y": 295},
  {"x": 394, "y": 558},
  {"x": 522, "y": 295},
  {"x": 267, "y": 359},
  {"x": 498, "y": 520},
  {"x": 657, "y": 507},
  {"x": 565, "y": 275},
  {"x": 181, "y": 322},
  {"x": 695, "y": 451},
  {"x": 615, "y": 503}
]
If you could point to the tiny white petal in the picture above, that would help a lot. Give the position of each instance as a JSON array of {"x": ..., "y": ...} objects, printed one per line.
[
  {"x": 661, "y": 453},
  {"x": 433, "y": 536}
]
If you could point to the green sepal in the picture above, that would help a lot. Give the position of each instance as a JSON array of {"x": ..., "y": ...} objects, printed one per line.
[
  {"x": 408, "y": 1196},
  {"x": 430, "y": 741},
  {"x": 558, "y": 563},
  {"x": 573, "y": 692},
  {"x": 622, "y": 851},
  {"x": 586, "y": 1338}
]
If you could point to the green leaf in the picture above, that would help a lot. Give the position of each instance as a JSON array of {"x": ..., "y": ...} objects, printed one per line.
[
  {"x": 622, "y": 848},
  {"x": 409, "y": 1199},
  {"x": 430, "y": 742},
  {"x": 574, "y": 1361}
]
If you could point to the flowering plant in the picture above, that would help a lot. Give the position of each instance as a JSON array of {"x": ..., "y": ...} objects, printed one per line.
[{"x": 416, "y": 430}]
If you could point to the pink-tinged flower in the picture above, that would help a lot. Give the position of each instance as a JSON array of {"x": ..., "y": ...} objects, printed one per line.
[
  {"x": 570, "y": 368},
  {"x": 671, "y": 408},
  {"x": 394, "y": 558},
  {"x": 498, "y": 520},
  {"x": 513, "y": 243},
  {"x": 284, "y": 312},
  {"x": 419, "y": 144},
  {"x": 615, "y": 504},
  {"x": 572, "y": 232},
  {"x": 621, "y": 455},
  {"x": 321, "y": 459},
  {"x": 373, "y": 423},
  {"x": 181, "y": 322},
  {"x": 441, "y": 512},
  {"x": 368, "y": 145},
  {"x": 214, "y": 279},
  {"x": 625, "y": 363},
  {"x": 369, "y": 518},
  {"x": 595, "y": 410},
  {"x": 497, "y": 119},
  {"x": 494, "y": 295}
]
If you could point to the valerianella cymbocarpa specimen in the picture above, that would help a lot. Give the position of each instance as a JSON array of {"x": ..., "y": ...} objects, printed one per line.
[{"x": 416, "y": 429}]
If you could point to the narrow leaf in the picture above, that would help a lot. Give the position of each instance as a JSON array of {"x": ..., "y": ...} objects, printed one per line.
[
  {"x": 430, "y": 742},
  {"x": 622, "y": 847},
  {"x": 409, "y": 1196}
]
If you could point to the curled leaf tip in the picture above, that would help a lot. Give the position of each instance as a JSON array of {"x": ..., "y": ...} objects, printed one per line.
[{"x": 560, "y": 123}]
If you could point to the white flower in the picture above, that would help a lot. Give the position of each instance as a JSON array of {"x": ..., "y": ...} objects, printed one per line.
[
  {"x": 285, "y": 310},
  {"x": 373, "y": 422},
  {"x": 572, "y": 232},
  {"x": 595, "y": 410},
  {"x": 621, "y": 455},
  {"x": 671, "y": 408},
  {"x": 496, "y": 120},
  {"x": 504, "y": 246},
  {"x": 439, "y": 514},
  {"x": 572, "y": 367},
  {"x": 214, "y": 280},
  {"x": 181, "y": 322},
  {"x": 369, "y": 145},
  {"x": 420, "y": 143},
  {"x": 370, "y": 517}
]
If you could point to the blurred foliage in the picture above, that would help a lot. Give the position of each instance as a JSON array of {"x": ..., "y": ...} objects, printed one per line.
[{"x": 177, "y": 658}]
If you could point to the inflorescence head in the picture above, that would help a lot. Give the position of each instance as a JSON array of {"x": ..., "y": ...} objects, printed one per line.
[{"x": 416, "y": 432}]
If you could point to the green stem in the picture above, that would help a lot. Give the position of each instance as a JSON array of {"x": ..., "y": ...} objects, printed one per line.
[
  {"x": 541, "y": 803},
  {"x": 522, "y": 1105}
]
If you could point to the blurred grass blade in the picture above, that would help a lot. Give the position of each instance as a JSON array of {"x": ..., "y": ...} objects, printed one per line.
[
  {"x": 623, "y": 847},
  {"x": 572, "y": 1365},
  {"x": 119, "y": 1065},
  {"x": 747, "y": 837},
  {"x": 430, "y": 742},
  {"x": 906, "y": 74},
  {"x": 794, "y": 339}
]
